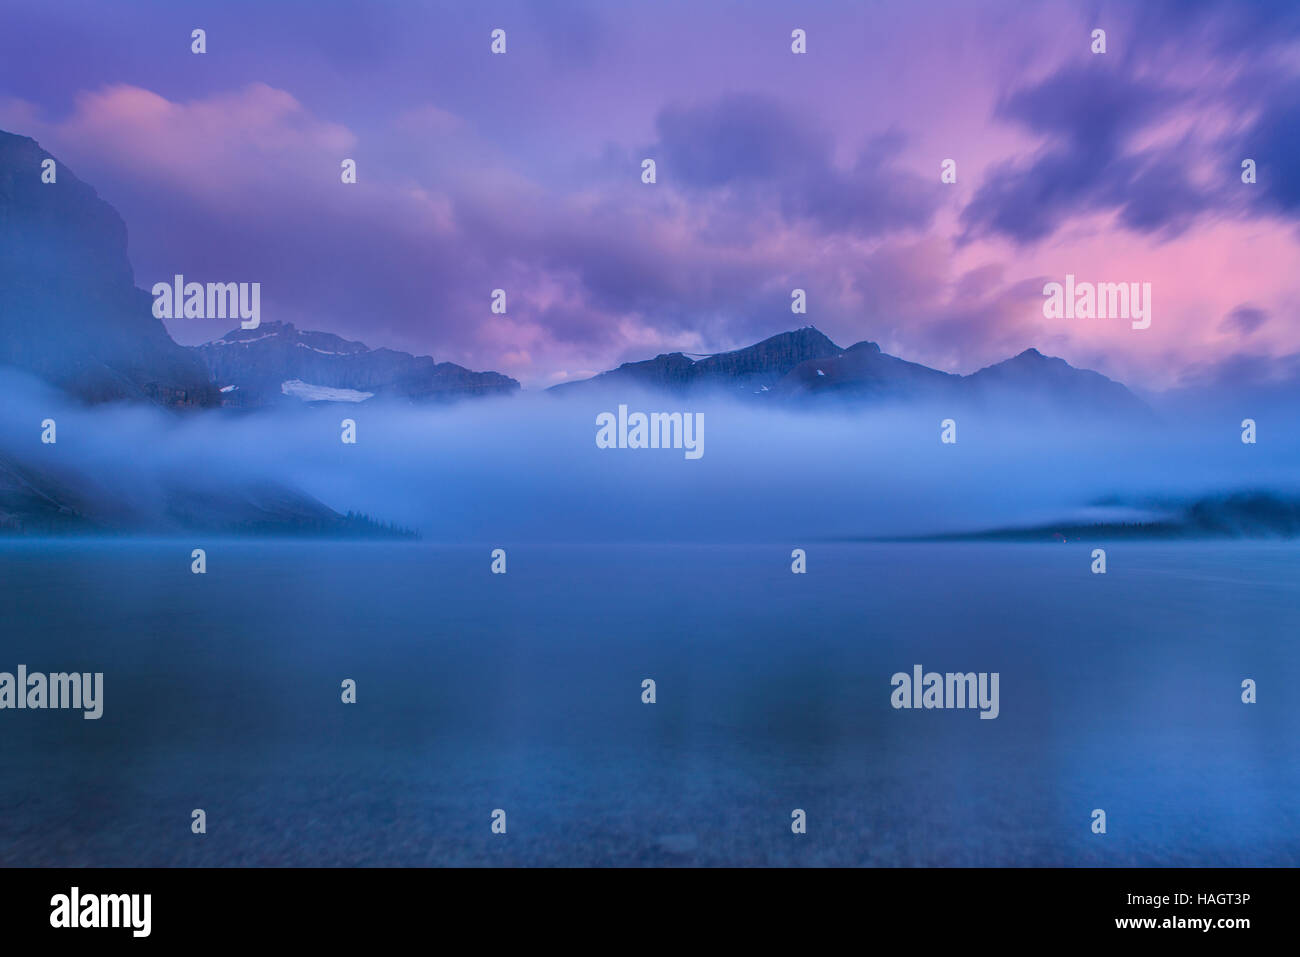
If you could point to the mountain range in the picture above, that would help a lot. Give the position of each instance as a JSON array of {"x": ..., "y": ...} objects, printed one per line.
[
  {"x": 806, "y": 366},
  {"x": 254, "y": 368},
  {"x": 71, "y": 314}
]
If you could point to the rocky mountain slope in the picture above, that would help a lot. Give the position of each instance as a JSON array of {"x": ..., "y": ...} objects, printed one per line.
[
  {"x": 275, "y": 363},
  {"x": 69, "y": 308},
  {"x": 71, "y": 314}
]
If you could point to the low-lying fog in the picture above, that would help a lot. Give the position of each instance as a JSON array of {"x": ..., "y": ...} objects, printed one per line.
[{"x": 528, "y": 468}]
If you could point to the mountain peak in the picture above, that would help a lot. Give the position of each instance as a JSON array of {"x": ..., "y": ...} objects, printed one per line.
[
  {"x": 781, "y": 352},
  {"x": 271, "y": 327},
  {"x": 1050, "y": 380},
  {"x": 864, "y": 346},
  {"x": 751, "y": 369}
]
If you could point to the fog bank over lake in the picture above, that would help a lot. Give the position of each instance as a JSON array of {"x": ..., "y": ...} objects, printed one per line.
[{"x": 528, "y": 468}]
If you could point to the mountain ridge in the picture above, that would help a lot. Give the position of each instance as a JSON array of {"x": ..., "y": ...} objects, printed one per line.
[
  {"x": 277, "y": 362},
  {"x": 71, "y": 314},
  {"x": 805, "y": 363}
]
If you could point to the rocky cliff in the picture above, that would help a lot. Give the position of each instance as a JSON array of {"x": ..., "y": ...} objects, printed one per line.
[{"x": 69, "y": 308}]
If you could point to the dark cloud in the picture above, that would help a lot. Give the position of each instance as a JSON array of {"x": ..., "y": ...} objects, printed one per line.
[
  {"x": 1090, "y": 113},
  {"x": 1091, "y": 107},
  {"x": 1273, "y": 142},
  {"x": 1087, "y": 115},
  {"x": 1226, "y": 27},
  {"x": 1248, "y": 370},
  {"x": 1153, "y": 193},
  {"x": 1245, "y": 320},
  {"x": 739, "y": 138},
  {"x": 767, "y": 155}
]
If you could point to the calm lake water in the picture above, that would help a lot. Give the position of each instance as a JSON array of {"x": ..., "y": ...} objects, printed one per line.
[{"x": 523, "y": 692}]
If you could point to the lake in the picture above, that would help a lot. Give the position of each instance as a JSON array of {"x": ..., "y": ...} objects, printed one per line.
[{"x": 523, "y": 692}]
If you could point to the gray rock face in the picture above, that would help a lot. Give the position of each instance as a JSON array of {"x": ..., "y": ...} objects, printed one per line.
[
  {"x": 69, "y": 309},
  {"x": 253, "y": 365}
]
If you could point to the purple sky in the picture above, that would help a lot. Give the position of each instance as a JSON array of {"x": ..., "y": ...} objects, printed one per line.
[{"x": 775, "y": 171}]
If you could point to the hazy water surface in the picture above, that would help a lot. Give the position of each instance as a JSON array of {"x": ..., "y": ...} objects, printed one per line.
[{"x": 523, "y": 692}]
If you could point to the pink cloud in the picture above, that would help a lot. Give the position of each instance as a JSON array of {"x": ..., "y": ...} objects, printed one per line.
[{"x": 211, "y": 147}]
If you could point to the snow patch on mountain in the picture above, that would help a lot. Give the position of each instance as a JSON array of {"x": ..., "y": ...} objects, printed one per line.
[{"x": 321, "y": 393}]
